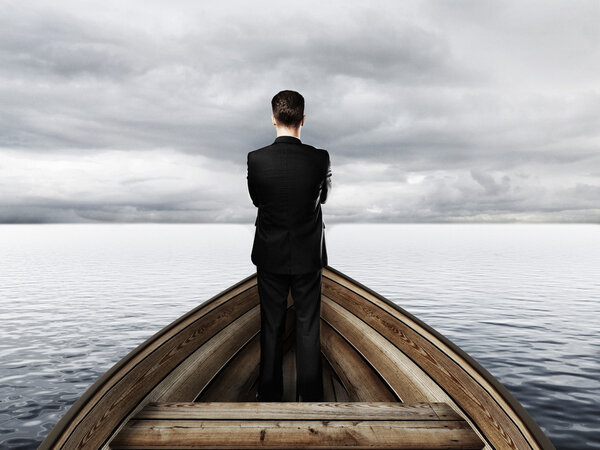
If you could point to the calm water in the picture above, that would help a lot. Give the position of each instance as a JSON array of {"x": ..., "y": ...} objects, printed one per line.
[{"x": 524, "y": 300}]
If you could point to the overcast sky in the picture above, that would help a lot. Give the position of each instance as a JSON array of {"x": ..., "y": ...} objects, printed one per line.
[{"x": 431, "y": 111}]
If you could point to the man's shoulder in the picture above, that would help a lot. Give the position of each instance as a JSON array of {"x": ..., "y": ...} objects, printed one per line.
[
  {"x": 259, "y": 150},
  {"x": 320, "y": 151},
  {"x": 324, "y": 154},
  {"x": 253, "y": 153},
  {"x": 316, "y": 149}
]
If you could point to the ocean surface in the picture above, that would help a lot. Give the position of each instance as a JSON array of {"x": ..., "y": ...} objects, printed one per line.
[{"x": 523, "y": 300}]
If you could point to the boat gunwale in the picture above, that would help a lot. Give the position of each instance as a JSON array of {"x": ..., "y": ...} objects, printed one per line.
[
  {"x": 458, "y": 362},
  {"x": 66, "y": 420},
  {"x": 541, "y": 438}
]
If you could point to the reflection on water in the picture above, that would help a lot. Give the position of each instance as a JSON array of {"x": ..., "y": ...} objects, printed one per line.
[{"x": 523, "y": 300}]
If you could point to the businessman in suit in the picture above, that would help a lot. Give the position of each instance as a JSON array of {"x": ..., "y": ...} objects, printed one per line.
[{"x": 288, "y": 181}]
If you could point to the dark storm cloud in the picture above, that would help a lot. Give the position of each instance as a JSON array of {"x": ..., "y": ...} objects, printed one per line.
[
  {"x": 144, "y": 91},
  {"x": 136, "y": 111}
]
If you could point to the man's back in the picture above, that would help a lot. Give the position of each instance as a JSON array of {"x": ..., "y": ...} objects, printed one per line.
[{"x": 288, "y": 181}]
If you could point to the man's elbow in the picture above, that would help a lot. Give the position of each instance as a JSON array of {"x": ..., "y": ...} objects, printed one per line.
[
  {"x": 253, "y": 197},
  {"x": 326, "y": 186},
  {"x": 325, "y": 191}
]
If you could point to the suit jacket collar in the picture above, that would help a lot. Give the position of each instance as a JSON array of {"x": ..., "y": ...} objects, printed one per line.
[{"x": 287, "y": 140}]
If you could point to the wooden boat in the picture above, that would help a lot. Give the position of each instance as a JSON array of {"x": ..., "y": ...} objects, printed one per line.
[{"x": 391, "y": 381}]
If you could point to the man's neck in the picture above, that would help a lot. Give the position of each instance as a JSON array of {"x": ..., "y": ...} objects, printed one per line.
[{"x": 281, "y": 131}]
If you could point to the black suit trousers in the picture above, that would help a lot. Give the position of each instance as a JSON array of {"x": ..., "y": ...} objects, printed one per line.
[{"x": 273, "y": 289}]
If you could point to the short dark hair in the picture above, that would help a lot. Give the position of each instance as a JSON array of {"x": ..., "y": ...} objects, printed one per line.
[{"x": 288, "y": 108}]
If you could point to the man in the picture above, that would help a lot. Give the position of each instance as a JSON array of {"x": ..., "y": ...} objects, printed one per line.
[{"x": 288, "y": 181}]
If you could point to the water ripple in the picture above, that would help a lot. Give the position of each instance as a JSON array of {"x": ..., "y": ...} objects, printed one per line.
[{"x": 523, "y": 300}]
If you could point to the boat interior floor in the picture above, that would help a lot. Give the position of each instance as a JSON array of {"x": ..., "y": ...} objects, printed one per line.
[{"x": 226, "y": 415}]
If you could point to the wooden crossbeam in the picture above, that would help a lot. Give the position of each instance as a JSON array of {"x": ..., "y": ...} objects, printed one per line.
[{"x": 291, "y": 425}]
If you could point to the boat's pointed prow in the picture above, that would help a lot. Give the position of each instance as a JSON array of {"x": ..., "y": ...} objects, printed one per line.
[{"x": 373, "y": 352}]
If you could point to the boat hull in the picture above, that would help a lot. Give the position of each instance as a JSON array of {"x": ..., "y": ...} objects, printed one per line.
[{"x": 372, "y": 349}]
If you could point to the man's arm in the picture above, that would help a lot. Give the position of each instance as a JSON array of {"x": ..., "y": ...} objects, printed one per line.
[
  {"x": 251, "y": 185},
  {"x": 326, "y": 186}
]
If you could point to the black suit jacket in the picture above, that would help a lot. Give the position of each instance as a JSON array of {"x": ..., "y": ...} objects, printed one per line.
[{"x": 288, "y": 181}]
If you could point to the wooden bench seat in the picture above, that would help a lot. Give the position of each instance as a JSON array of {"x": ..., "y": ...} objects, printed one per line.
[{"x": 290, "y": 425}]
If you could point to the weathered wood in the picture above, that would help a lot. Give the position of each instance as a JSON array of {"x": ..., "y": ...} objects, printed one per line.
[
  {"x": 233, "y": 383},
  {"x": 83, "y": 415},
  {"x": 126, "y": 389},
  {"x": 482, "y": 405},
  {"x": 328, "y": 389},
  {"x": 373, "y": 351},
  {"x": 359, "y": 379},
  {"x": 289, "y": 434},
  {"x": 403, "y": 376},
  {"x": 237, "y": 377},
  {"x": 293, "y": 435},
  {"x": 298, "y": 411},
  {"x": 297, "y": 425},
  {"x": 201, "y": 366},
  {"x": 157, "y": 393},
  {"x": 289, "y": 425},
  {"x": 444, "y": 411},
  {"x": 341, "y": 394}
]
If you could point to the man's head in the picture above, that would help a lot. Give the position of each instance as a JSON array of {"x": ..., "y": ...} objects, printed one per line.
[{"x": 288, "y": 109}]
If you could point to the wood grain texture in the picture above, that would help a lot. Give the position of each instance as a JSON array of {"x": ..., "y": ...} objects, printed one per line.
[
  {"x": 237, "y": 378},
  {"x": 373, "y": 352},
  {"x": 190, "y": 434},
  {"x": 296, "y": 425},
  {"x": 461, "y": 384},
  {"x": 201, "y": 366},
  {"x": 126, "y": 389},
  {"x": 328, "y": 388},
  {"x": 341, "y": 394},
  {"x": 358, "y": 378},
  {"x": 299, "y": 411},
  {"x": 408, "y": 381},
  {"x": 234, "y": 382}
]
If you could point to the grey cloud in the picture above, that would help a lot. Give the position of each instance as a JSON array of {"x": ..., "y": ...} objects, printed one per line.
[
  {"x": 164, "y": 87},
  {"x": 491, "y": 186},
  {"x": 54, "y": 44},
  {"x": 395, "y": 91}
]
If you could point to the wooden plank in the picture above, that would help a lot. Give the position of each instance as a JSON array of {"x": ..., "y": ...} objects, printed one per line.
[
  {"x": 328, "y": 388},
  {"x": 407, "y": 380},
  {"x": 191, "y": 434},
  {"x": 234, "y": 382},
  {"x": 358, "y": 378},
  {"x": 125, "y": 390},
  {"x": 444, "y": 411},
  {"x": 62, "y": 434},
  {"x": 97, "y": 392},
  {"x": 191, "y": 376},
  {"x": 341, "y": 394},
  {"x": 484, "y": 408},
  {"x": 296, "y": 411},
  {"x": 237, "y": 377}
]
